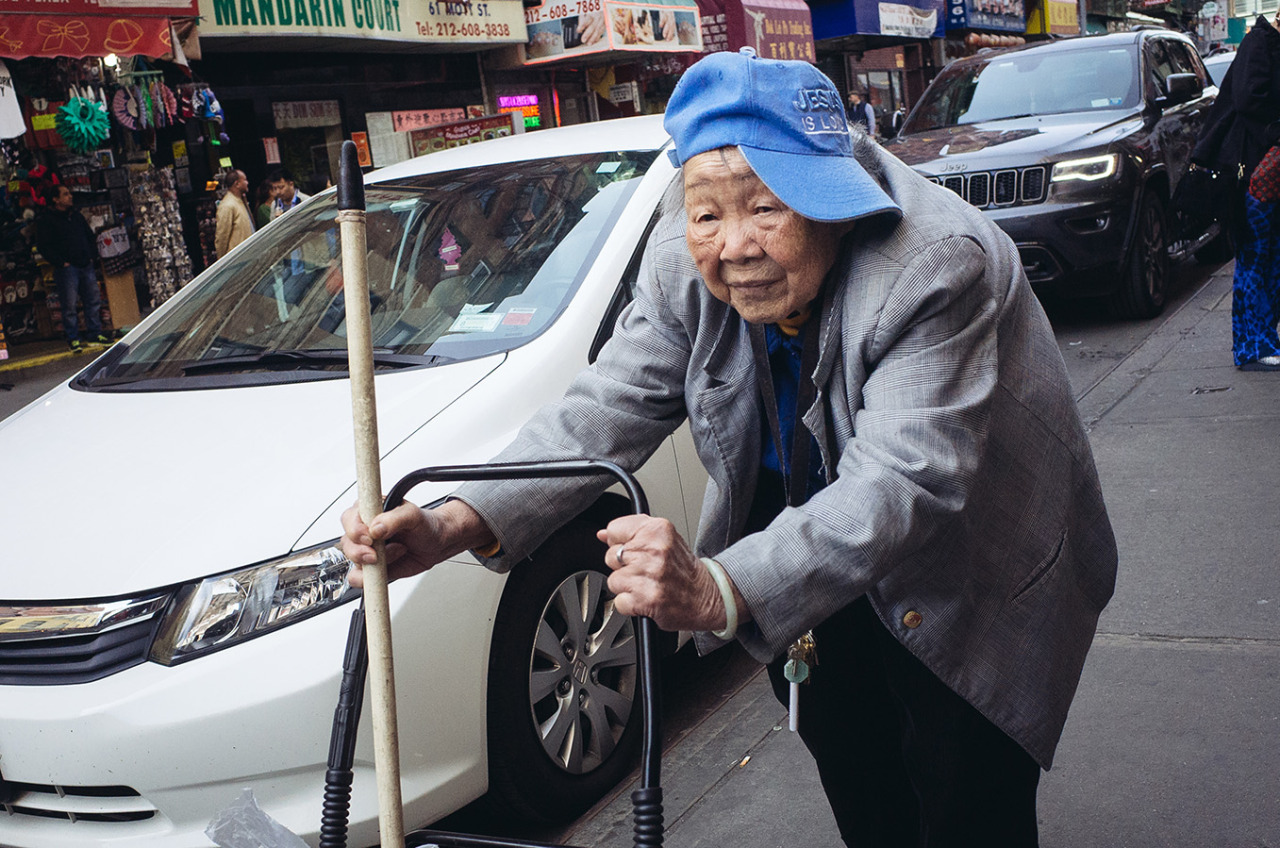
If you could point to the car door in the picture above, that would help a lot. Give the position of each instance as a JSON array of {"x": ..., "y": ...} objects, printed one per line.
[{"x": 1177, "y": 124}]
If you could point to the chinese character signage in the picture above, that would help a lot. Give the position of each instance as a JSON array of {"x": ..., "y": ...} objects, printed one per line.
[
  {"x": 411, "y": 21},
  {"x": 418, "y": 119},
  {"x": 560, "y": 29},
  {"x": 775, "y": 29},
  {"x": 296, "y": 114},
  {"x": 1003, "y": 15}
]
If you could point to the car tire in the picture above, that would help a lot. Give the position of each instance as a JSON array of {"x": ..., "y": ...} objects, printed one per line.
[
  {"x": 563, "y": 705},
  {"x": 1144, "y": 281}
]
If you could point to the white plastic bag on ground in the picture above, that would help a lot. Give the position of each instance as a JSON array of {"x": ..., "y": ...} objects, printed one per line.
[{"x": 244, "y": 825}]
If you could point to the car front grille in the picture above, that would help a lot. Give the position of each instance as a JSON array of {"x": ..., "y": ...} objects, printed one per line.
[
  {"x": 76, "y": 803},
  {"x": 75, "y": 643},
  {"x": 992, "y": 189}
]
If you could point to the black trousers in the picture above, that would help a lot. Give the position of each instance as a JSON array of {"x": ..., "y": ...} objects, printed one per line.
[{"x": 904, "y": 760}]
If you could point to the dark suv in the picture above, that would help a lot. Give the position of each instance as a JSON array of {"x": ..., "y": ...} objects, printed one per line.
[{"x": 1073, "y": 147}]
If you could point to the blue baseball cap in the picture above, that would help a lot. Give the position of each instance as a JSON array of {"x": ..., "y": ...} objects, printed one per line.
[{"x": 788, "y": 120}]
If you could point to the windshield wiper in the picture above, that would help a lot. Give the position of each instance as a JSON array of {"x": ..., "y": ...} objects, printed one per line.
[{"x": 285, "y": 359}]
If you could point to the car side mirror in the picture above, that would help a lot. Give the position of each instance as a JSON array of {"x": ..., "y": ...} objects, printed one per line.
[{"x": 1181, "y": 88}]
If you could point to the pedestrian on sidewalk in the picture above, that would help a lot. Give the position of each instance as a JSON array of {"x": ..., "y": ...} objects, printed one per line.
[
  {"x": 861, "y": 113},
  {"x": 65, "y": 241},
  {"x": 1255, "y": 297},
  {"x": 897, "y": 468},
  {"x": 1242, "y": 125},
  {"x": 284, "y": 193},
  {"x": 235, "y": 222}
]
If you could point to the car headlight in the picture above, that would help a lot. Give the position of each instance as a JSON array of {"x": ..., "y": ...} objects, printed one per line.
[
  {"x": 1089, "y": 169},
  {"x": 226, "y": 609}
]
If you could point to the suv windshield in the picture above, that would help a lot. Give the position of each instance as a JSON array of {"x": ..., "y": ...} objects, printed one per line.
[
  {"x": 1031, "y": 82},
  {"x": 461, "y": 264}
]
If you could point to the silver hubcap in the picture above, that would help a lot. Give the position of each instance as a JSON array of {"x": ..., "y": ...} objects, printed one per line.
[{"x": 582, "y": 676}]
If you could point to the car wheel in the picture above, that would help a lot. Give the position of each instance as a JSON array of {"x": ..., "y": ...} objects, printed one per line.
[
  {"x": 564, "y": 718},
  {"x": 1145, "y": 279}
]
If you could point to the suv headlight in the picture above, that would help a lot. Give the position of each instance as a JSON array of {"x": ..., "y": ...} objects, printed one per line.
[
  {"x": 1088, "y": 169},
  {"x": 226, "y": 609}
]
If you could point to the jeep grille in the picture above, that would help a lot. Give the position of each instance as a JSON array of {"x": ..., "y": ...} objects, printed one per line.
[{"x": 987, "y": 189}]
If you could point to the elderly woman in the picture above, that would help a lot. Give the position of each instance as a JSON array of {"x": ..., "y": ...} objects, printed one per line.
[{"x": 897, "y": 470}]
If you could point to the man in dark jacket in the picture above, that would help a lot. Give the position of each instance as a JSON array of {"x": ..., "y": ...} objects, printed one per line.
[{"x": 66, "y": 242}]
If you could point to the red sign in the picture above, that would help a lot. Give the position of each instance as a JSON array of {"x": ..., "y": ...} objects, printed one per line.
[
  {"x": 22, "y": 36},
  {"x": 105, "y": 8},
  {"x": 775, "y": 29},
  {"x": 363, "y": 156}
]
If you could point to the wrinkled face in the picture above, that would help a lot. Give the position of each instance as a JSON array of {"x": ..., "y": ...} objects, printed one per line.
[{"x": 754, "y": 252}]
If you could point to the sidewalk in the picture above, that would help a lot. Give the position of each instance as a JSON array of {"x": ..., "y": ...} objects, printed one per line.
[{"x": 1174, "y": 737}]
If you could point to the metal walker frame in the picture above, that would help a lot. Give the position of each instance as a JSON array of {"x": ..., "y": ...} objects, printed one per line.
[{"x": 646, "y": 801}]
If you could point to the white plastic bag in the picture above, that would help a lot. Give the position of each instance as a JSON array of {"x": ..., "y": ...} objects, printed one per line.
[{"x": 244, "y": 825}]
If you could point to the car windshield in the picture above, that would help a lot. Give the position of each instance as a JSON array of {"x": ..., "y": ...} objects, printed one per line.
[
  {"x": 1031, "y": 82},
  {"x": 461, "y": 265}
]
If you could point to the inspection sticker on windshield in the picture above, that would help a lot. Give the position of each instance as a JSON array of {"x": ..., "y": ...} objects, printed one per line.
[
  {"x": 519, "y": 316},
  {"x": 486, "y": 323}
]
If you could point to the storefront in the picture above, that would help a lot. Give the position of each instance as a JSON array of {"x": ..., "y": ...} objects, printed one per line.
[
  {"x": 883, "y": 51},
  {"x": 304, "y": 77},
  {"x": 975, "y": 24},
  {"x": 595, "y": 60},
  {"x": 97, "y": 98}
]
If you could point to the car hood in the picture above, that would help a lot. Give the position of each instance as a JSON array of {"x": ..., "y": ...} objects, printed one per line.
[
  {"x": 120, "y": 491},
  {"x": 1009, "y": 143}
]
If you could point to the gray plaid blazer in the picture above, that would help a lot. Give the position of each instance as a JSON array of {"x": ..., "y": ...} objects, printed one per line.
[{"x": 963, "y": 500}]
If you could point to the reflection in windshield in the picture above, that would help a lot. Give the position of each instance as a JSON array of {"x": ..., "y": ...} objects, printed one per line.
[
  {"x": 1022, "y": 84},
  {"x": 462, "y": 264}
]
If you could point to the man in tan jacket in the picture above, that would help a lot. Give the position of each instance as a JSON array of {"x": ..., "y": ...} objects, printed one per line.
[{"x": 235, "y": 224}]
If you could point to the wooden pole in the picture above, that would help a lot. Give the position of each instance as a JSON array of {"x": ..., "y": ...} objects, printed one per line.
[{"x": 355, "y": 275}]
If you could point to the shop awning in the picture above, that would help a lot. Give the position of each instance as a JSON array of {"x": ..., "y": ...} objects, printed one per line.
[
  {"x": 609, "y": 31},
  {"x": 23, "y": 36},
  {"x": 79, "y": 28},
  {"x": 916, "y": 19},
  {"x": 775, "y": 29}
]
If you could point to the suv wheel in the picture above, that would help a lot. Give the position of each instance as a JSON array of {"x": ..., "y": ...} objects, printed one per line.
[
  {"x": 1145, "y": 278},
  {"x": 564, "y": 709}
]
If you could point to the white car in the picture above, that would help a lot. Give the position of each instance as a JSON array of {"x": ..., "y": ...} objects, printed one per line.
[
  {"x": 1217, "y": 66},
  {"x": 178, "y": 637}
]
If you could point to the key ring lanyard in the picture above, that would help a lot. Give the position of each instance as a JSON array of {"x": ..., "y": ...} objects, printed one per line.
[{"x": 796, "y": 473}]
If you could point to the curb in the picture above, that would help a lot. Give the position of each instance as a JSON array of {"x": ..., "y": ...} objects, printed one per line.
[{"x": 46, "y": 358}]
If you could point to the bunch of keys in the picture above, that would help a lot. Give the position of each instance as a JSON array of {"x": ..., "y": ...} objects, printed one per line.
[{"x": 802, "y": 656}]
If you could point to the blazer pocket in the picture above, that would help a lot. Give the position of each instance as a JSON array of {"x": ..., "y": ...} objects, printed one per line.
[{"x": 1042, "y": 568}]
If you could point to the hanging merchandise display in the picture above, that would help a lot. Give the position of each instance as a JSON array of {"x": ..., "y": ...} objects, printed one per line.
[
  {"x": 155, "y": 211},
  {"x": 83, "y": 124}
]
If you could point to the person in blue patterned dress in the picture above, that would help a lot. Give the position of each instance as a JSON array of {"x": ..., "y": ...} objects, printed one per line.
[{"x": 1255, "y": 299}]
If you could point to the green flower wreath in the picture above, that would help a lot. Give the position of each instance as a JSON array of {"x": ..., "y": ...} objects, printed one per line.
[{"x": 83, "y": 124}]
